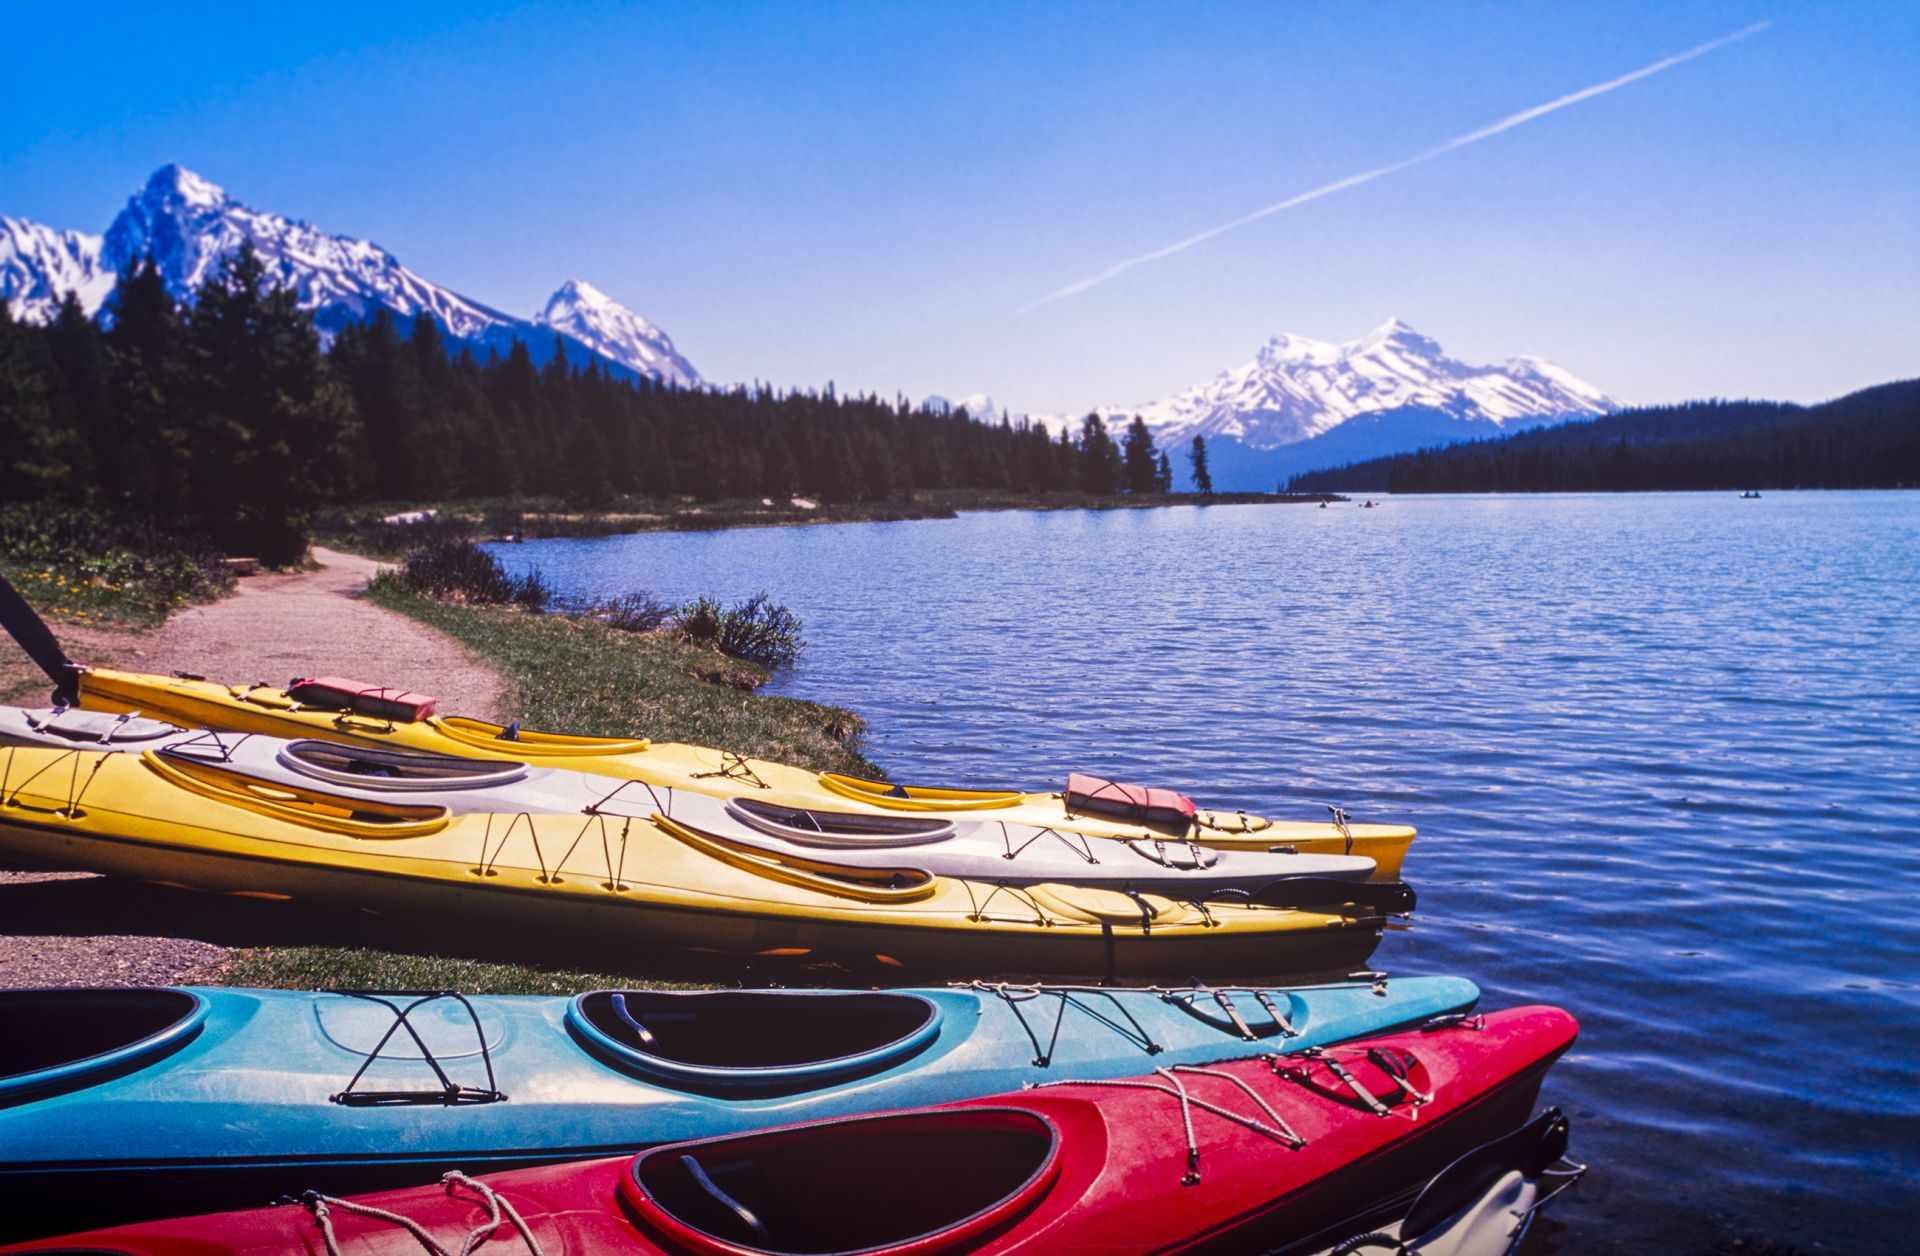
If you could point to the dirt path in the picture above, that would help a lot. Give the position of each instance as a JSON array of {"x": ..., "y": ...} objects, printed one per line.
[{"x": 72, "y": 929}]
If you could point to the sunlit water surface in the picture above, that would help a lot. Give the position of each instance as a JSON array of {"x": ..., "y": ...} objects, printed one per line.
[{"x": 1663, "y": 751}]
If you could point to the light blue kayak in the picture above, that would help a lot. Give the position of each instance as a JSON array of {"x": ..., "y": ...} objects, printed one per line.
[{"x": 128, "y": 1104}]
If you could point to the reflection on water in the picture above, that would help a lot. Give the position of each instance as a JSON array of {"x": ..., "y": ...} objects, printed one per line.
[{"x": 1664, "y": 753}]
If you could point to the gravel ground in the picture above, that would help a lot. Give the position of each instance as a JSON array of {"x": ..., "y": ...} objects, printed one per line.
[{"x": 78, "y": 929}]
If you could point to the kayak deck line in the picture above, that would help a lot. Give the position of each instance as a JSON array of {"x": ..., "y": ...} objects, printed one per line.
[{"x": 449, "y": 1092}]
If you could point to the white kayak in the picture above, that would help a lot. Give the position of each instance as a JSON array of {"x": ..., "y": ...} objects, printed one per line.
[
  {"x": 995, "y": 851},
  {"x": 1014, "y": 854}
]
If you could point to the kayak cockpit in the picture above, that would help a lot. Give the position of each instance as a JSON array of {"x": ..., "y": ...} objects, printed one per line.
[
  {"x": 929, "y": 1180},
  {"x": 64, "y": 1039},
  {"x": 766, "y": 1040},
  {"x": 309, "y": 808},
  {"x": 378, "y": 767},
  {"x": 837, "y": 828}
]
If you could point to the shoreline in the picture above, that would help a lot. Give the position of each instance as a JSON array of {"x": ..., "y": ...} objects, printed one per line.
[
  {"x": 364, "y": 529},
  {"x": 75, "y": 928}
]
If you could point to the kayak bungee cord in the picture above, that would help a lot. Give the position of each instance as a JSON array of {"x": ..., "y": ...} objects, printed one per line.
[
  {"x": 1080, "y": 848},
  {"x": 1396, "y": 1066},
  {"x": 1398, "y": 1069},
  {"x": 220, "y": 745},
  {"x": 1279, "y": 1129},
  {"x": 1013, "y": 996},
  {"x": 76, "y": 789},
  {"x": 615, "y": 869},
  {"x": 499, "y": 1207},
  {"x": 733, "y": 767},
  {"x": 450, "y": 1092}
]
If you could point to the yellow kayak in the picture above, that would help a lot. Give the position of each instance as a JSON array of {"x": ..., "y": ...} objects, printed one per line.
[
  {"x": 195, "y": 703},
  {"x": 637, "y": 882}
]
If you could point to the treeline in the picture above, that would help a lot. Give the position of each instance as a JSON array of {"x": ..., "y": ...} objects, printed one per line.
[
  {"x": 1867, "y": 439},
  {"x": 224, "y": 414}
]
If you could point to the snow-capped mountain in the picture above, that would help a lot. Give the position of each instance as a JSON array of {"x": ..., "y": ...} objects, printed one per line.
[
  {"x": 588, "y": 315},
  {"x": 977, "y": 405},
  {"x": 188, "y": 224},
  {"x": 39, "y": 266},
  {"x": 1297, "y": 388}
]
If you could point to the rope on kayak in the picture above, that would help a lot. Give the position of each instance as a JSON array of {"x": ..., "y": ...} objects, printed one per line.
[
  {"x": 1340, "y": 823},
  {"x": 499, "y": 1208},
  {"x": 1013, "y": 996},
  {"x": 1159, "y": 853},
  {"x": 1397, "y": 1063},
  {"x": 734, "y": 767},
  {"x": 1278, "y": 1129},
  {"x": 485, "y": 868},
  {"x": 980, "y": 905},
  {"x": 1078, "y": 843},
  {"x": 222, "y": 750},
  {"x": 450, "y": 1092},
  {"x": 76, "y": 788},
  {"x": 598, "y": 805}
]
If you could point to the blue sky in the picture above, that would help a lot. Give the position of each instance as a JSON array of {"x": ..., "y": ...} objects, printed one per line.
[{"x": 868, "y": 193}]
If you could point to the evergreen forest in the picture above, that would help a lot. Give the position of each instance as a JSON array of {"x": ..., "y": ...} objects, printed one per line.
[
  {"x": 1866, "y": 439},
  {"x": 225, "y": 415}
]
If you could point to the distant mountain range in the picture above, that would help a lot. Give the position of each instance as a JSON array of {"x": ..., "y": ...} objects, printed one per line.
[
  {"x": 1865, "y": 439},
  {"x": 1302, "y": 404},
  {"x": 188, "y": 224}
]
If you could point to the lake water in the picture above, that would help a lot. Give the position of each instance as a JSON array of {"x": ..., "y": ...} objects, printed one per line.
[{"x": 1663, "y": 751}]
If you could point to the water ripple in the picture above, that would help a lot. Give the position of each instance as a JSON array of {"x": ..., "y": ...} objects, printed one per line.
[{"x": 1664, "y": 752}]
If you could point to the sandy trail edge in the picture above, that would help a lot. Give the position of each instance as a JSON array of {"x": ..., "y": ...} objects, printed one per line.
[{"x": 273, "y": 628}]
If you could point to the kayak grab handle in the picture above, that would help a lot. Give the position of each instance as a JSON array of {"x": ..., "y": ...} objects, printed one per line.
[{"x": 732, "y": 1205}]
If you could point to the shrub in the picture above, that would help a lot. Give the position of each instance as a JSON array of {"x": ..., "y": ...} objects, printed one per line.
[
  {"x": 115, "y": 558},
  {"x": 758, "y": 630},
  {"x": 632, "y": 612},
  {"x": 457, "y": 570}
]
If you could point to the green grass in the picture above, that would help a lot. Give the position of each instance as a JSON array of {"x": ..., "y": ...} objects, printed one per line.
[
  {"x": 80, "y": 565},
  {"x": 354, "y": 968},
  {"x": 580, "y": 676}
]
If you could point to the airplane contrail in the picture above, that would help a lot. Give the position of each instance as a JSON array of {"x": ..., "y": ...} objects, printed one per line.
[{"x": 1380, "y": 172}]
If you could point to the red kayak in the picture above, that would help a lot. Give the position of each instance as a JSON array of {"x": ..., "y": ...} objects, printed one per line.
[{"x": 1234, "y": 1156}]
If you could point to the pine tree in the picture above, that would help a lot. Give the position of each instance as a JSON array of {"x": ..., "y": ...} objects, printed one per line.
[
  {"x": 38, "y": 446},
  {"x": 1142, "y": 468},
  {"x": 1163, "y": 475},
  {"x": 148, "y": 361},
  {"x": 84, "y": 388},
  {"x": 1099, "y": 459},
  {"x": 271, "y": 426},
  {"x": 1197, "y": 455}
]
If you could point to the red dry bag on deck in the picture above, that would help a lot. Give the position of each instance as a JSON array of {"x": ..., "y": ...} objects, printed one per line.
[
  {"x": 382, "y": 702},
  {"x": 1129, "y": 802}
]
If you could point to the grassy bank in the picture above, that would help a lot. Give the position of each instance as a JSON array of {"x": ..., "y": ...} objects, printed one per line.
[
  {"x": 583, "y": 676},
  {"x": 358, "y": 968},
  {"x": 359, "y": 528}
]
